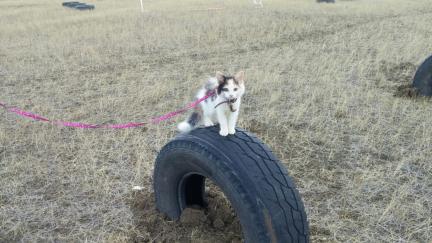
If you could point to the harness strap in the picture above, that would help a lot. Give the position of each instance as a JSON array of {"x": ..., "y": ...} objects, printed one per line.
[{"x": 230, "y": 104}]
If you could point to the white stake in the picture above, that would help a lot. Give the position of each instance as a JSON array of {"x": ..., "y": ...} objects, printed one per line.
[
  {"x": 142, "y": 7},
  {"x": 258, "y": 3}
]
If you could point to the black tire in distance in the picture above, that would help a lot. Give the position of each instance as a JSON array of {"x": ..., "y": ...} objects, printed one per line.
[
  {"x": 70, "y": 4},
  {"x": 257, "y": 185},
  {"x": 423, "y": 78}
]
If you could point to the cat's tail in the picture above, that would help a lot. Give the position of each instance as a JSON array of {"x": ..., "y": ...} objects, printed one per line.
[{"x": 190, "y": 123}]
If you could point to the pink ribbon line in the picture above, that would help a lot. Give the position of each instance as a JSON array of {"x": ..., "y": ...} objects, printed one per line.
[{"x": 154, "y": 120}]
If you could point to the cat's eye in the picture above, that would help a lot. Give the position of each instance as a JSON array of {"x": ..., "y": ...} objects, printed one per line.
[
  {"x": 224, "y": 89},
  {"x": 235, "y": 89}
]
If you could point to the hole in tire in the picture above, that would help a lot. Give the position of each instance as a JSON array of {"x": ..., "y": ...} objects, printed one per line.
[
  {"x": 194, "y": 191},
  {"x": 214, "y": 218}
]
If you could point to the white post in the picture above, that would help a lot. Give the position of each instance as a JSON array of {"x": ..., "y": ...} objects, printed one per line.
[
  {"x": 142, "y": 7},
  {"x": 258, "y": 3}
]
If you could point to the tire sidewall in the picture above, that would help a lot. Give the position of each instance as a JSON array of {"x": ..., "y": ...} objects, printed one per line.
[{"x": 180, "y": 158}]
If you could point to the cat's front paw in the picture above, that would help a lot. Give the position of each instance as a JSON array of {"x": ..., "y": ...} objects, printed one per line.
[
  {"x": 223, "y": 133},
  {"x": 231, "y": 131}
]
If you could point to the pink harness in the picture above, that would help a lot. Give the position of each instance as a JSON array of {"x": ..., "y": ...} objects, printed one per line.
[{"x": 154, "y": 120}]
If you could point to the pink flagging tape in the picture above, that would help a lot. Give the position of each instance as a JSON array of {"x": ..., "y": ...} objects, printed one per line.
[
  {"x": 28, "y": 114},
  {"x": 154, "y": 120}
]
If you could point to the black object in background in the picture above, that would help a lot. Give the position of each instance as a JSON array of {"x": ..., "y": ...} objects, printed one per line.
[
  {"x": 423, "y": 78},
  {"x": 78, "y": 5}
]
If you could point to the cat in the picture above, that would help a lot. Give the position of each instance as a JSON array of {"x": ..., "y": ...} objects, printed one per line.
[{"x": 221, "y": 108}]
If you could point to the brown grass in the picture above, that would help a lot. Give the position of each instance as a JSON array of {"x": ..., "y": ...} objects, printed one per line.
[{"x": 321, "y": 84}]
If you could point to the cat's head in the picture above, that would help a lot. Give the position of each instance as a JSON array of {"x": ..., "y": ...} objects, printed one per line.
[{"x": 230, "y": 87}]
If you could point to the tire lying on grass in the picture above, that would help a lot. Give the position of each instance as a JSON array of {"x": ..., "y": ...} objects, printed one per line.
[
  {"x": 70, "y": 4},
  {"x": 257, "y": 185},
  {"x": 423, "y": 78},
  {"x": 84, "y": 7},
  {"x": 78, "y": 5}
]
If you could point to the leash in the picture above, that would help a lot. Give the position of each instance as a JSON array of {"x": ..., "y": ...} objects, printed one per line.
[
  {"x": 154, "y": 120},
  {"x": 229, "y": 102}
]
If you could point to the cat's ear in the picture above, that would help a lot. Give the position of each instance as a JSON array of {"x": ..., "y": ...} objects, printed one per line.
[
  {"x": 220, "y": 77},
  {"x": 240, "y": 76}
]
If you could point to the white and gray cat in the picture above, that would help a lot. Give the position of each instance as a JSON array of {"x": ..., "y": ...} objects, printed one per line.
[{"x": 222, "y": 108}]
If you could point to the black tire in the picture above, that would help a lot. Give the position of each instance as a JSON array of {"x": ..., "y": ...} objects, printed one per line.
[
  {"x": 423, "y": 78},
  {"x": 84, "y": 7},
  {"x": 70, "y": 4},
  {"x": 254, "y": 181}
]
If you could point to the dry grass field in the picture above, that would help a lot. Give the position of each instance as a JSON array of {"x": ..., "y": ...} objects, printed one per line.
[{"x": 321, "y": 85}]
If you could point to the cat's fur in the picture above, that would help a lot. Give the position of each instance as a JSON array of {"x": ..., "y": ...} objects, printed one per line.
[{"x": 222, "y": 108}]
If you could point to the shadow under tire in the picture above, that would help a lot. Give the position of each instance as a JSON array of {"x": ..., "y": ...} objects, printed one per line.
[{"x": 257, "y": 185}]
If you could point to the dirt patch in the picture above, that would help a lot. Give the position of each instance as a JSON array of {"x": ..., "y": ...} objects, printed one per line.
[
  {"x": 215, "y": 223},
  {"x": 406, "y": 90},
  {"x": 401, "y": 73},
  {"x": 398, "y": 73},
  {"x": 399, "y": 76}
]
